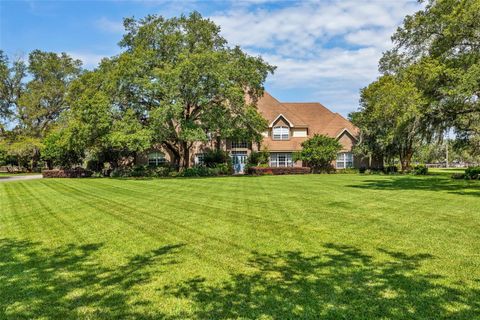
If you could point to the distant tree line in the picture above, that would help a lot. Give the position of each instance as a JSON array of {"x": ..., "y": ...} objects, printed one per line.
[
  {"x": 429, "y": 86},
  {"x": 175, "y": 82}
]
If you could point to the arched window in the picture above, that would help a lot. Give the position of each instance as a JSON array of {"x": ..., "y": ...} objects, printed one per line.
[
  {"x": 281, "y": 133},
  {"x": 156, "y": 158}
]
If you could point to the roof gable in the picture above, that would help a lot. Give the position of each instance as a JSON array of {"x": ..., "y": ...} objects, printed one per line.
[
  {"x": 345, "y": 131},
  {"x": 312, "y": 115},
  {"x": 281, "y": 116}
]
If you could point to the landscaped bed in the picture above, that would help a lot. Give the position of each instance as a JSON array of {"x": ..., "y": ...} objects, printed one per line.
[{"x": 300, "y": 246}]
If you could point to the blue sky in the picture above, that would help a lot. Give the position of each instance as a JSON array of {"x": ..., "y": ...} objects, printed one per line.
[{"x": 325, "y": 51}]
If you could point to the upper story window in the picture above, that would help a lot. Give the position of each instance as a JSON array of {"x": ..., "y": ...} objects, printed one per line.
[
  {"x": 238, "y": 144},
  {"x": 344, "y": 160},
  {"x": 281, "y": 133},
  {"x": 156, "y": 158}
]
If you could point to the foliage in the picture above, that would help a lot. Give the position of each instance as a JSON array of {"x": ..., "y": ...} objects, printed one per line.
[
  {"x": 176, "y": 82},
  {"x": 141, "y": 171},
  {"x": 33, "y": 106},
  {"x": 214, "y": 157},
  {"x": 108, "y": 133},
  {"x": 258, "y": 158},
  {"x": 11, "y": 88},
  {"x": 318, "y": 152},
  {"x": 138, "y": 171},
  {"x": 432, "y": 152},
  {"x": 392, "y": 169},
  {"x": 390, "y": 118},
  {"x": 22, "y": 150},
  {"x": 259, "y": 171},
  {"x": 348, "y": 171},
  {"x": 199, "y": 171},
  {"x": 472, "y": 173},
  {"x": 45, "y": 95},
  {"x": 200, "y": 83},
  {"x": 420, "y": 170},
  {"x": 224, "y": 169},
  {"x": 435, "y": 63},
  {"x": 60, "y": 150},
  {"x": 67, "y": 173},
  {"x": 442, "y": 42},
  {"x": 458, "y": 176}
]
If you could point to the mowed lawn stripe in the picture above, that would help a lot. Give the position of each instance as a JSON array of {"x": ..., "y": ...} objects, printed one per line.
[
  {"x": 217, "y": 210},
  {"x": 49, "y": 216},
  {"x": 84, "y": 210},
  {"x": 348, "y": 246},
  {"x": 256, "y": 219},
  {"x": 147, "y": 223},
  {"x": 408, "y": 228},
  {"x": 203, "y": 195}
]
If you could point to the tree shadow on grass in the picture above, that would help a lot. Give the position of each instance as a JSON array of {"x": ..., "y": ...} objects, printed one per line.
[
  {"x": 434, "y": 183},
  {"x": 68, "y": 283},
  {"x": 341, "y": 283}
]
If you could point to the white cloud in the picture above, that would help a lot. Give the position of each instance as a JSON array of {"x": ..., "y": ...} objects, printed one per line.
[
  {"x": 108, "y": 25},
  {"x": 89, "y": 60},
  {"x": 330, "y": 49},
  {"x": 316, "y": 44}
]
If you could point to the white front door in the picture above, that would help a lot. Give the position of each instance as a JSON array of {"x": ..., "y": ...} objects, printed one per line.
[{"x": 239, "y": 158}]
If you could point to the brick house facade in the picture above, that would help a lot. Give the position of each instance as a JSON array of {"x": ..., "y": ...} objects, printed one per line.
[{"x": 290, "y": 124}]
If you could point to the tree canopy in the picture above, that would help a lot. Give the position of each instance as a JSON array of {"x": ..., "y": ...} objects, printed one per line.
[
  {"x": 33, "y": 96},
  {"x": 318, "y": 152},
  {"x": 176, "y": 82},
  {"x": 430, "y": 81}
]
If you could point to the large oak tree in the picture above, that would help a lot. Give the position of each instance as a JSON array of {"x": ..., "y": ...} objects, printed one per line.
[
  {"x": 434, "y": 68},
  {"x": 181, "y": 81},
  {"x": 33, "y": 96}
]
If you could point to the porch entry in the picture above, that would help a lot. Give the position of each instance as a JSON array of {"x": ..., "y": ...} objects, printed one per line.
[{"x": 239, "y": 158}]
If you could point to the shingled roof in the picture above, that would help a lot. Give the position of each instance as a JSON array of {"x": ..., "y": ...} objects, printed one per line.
[
  {"x": 271, "y": 108},
  {"x": 311, "y": 115}
]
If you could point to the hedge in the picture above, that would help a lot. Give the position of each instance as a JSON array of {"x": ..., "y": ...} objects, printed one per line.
[
  {"x": 67, "y": 173},
  {"x": 472, "y": 173},
  {"x": 278, "y": 170}
]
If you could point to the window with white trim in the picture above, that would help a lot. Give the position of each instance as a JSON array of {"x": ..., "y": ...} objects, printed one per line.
[
  {"x": 199, "y": 158},
  {"x": 239, "y": 144},
  {"x": 156, "y": 158},
  {"x": 344, "y": 160},
  {"x": 281, "y": 133},
  {"x": 281, "y": 159}
]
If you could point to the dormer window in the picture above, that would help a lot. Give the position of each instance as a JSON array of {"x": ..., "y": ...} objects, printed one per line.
[{"x": 281, "y": 133}]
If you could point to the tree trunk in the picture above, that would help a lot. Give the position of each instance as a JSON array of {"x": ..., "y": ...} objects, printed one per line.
[
  {"x": 174, "y": 152},
  {"x": 35, "y": 160},
  {"x": 185, "y": 155},
  {"x": 377, "y": 161},
  {"x": 406, "y": 159}
]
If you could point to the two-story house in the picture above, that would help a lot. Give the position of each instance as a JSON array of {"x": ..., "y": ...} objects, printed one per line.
[{"x": 290, "y": 123}]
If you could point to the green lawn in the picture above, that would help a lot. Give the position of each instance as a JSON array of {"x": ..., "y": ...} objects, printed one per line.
[{"x": 272, "y": 247}]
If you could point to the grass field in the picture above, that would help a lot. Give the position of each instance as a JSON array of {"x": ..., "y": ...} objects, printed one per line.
[{"x": 272, "y": 247}]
